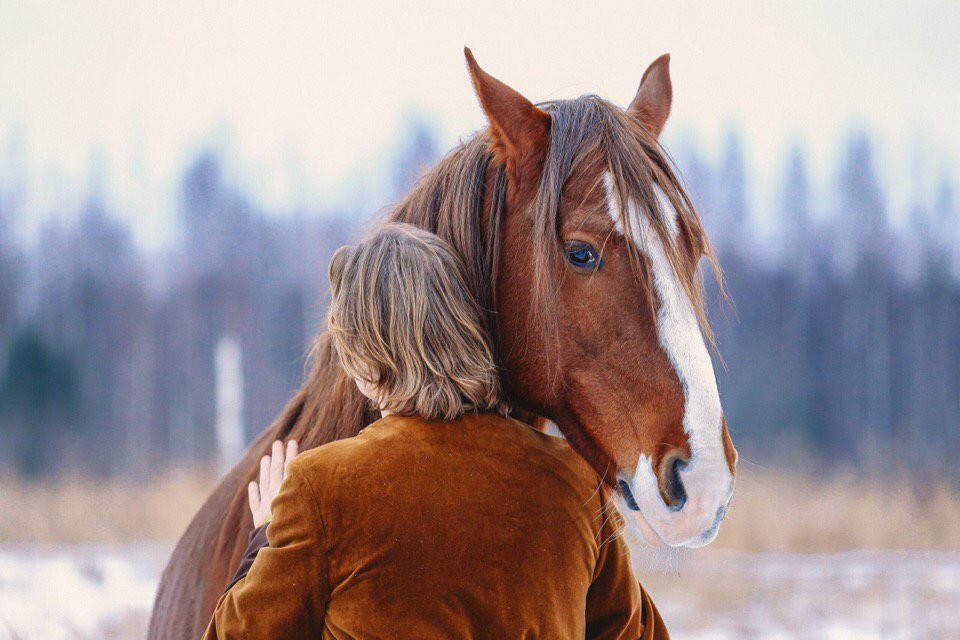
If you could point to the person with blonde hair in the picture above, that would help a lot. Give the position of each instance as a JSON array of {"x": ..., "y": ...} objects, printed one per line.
[{"x": 445, "y": 518}]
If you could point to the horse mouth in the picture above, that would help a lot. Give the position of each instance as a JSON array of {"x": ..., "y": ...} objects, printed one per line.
[{"x": 711, "y": 533}]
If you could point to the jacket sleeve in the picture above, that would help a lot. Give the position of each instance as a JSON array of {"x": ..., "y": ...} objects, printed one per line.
[
  {"x": 617, "y": 606},
  {"x": 285, "y": 593},
  {"x": 258, "y": 540}
]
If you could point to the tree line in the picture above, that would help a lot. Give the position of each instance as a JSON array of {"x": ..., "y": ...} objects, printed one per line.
[{"x": 843, "y": 340}]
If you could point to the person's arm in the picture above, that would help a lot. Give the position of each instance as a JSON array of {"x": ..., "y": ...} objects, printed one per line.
[
  {"x": 258, "y": 540},
  {"x": 617, "y": 606},
  {"x": 285, "y": 593},
  {"x": 653, "y": 626},
  {"x": 260, "y": 497}
]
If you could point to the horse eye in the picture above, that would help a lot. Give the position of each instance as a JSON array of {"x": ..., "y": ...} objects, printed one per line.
[{"x": 583, "y": 255}]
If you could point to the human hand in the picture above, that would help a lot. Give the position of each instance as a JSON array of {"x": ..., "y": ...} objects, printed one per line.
[{"x": 273, "y": 469}]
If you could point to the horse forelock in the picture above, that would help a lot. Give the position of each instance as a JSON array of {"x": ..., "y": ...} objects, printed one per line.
[{"x": 591, "y": 134}]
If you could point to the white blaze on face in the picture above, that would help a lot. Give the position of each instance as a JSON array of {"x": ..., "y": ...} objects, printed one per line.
[{"x": 707, "y": 478}]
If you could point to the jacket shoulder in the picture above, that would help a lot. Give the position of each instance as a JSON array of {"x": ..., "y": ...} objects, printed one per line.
[
  {"x": 325, "y": 458},
  {"x": 536, "y": 445}
]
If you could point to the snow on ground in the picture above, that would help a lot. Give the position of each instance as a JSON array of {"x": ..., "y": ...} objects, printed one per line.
[
  {"x": 855, "y": 595},
  {"x": 67, "y": 592},
  {"x": 86, "y": 591}
]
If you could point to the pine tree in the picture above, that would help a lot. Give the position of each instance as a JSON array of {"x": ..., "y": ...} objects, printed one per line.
[
  {"x": 797, "y": 385},
  {"x": 864, "y": 262},
  {"x": 732, "y": 212},
  {"x": 39, "y": 402},
  {"x": 11, "y": 277}
]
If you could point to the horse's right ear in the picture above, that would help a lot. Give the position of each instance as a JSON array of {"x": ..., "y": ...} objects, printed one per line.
[
  {"x": 651, "y": 105},
  {"x": 518, "y": 128}
]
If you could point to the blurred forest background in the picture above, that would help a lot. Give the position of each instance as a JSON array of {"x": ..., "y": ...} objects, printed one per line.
[{"x": 843, "y": 345}]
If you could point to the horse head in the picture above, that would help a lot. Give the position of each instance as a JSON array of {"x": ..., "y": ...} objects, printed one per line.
[{"x": 599, "y": 305}]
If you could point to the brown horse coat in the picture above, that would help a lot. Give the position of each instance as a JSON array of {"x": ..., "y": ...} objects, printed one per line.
[{"x": 481, "y": 528}]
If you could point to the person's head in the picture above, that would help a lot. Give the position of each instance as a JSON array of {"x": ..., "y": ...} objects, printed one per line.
[{"x": 406, "y": 328}]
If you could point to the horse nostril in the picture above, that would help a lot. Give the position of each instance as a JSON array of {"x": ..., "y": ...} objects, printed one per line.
[
  {"x": 628, "y": 495},
  {"x": 677, "y": 491}
]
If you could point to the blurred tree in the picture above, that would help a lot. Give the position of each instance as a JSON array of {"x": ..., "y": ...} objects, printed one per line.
[
  {"x": 201, "y": 189},
  {"x": 798, "y": 240},
  {"x": 13, "y": 192},
  {"x": 732, "y": 239},
  {"x": 732, "y": 212},
  {"x": 92, "y": 302},
  {"x": 698, "y": 178},
  {"x": 793, "y": 384},
  {"x": 865, "y": 264},
  {"x": 11, "y": 274},
  {"x": 945, "y": 241},
  {"x": 940, "y": 309},
  {"x": 39, "y": 401},
  {"x": 862, "y": 217},
  {"x": 247, "y": 275}
]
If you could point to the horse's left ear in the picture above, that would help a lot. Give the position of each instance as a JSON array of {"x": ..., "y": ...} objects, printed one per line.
[
  {"x": 651, "y": 105},
  {"x": 518, "y": 128}
]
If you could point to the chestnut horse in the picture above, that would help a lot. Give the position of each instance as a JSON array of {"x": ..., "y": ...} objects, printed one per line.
[{"x": 581, "y": 242}]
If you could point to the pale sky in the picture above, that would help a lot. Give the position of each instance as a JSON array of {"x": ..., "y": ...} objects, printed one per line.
[{"x": 307, "y": 98}]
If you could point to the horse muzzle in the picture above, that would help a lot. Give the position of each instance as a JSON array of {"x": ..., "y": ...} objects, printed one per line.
[{"x": 683, "y": 505}]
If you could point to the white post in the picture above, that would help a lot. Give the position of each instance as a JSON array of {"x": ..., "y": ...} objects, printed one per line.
[{"x": 228, "y": 361}]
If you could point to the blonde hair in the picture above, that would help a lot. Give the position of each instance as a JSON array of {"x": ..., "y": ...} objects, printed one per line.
[{"x": 403, "y": 321}]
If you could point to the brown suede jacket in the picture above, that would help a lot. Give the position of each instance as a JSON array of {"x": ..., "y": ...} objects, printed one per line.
[{"x": 479, "y": 528}]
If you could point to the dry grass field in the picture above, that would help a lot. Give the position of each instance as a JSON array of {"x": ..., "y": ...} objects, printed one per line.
[
  {"x": 771, "y": 511},
  {"x": 83, "y": 510},
  {"x": 799, "y": 512}
]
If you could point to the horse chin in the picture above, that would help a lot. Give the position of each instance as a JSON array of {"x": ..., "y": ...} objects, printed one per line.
[
  {"x": 646, "y": 535},
  {"x": 639, "y": 526}
]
